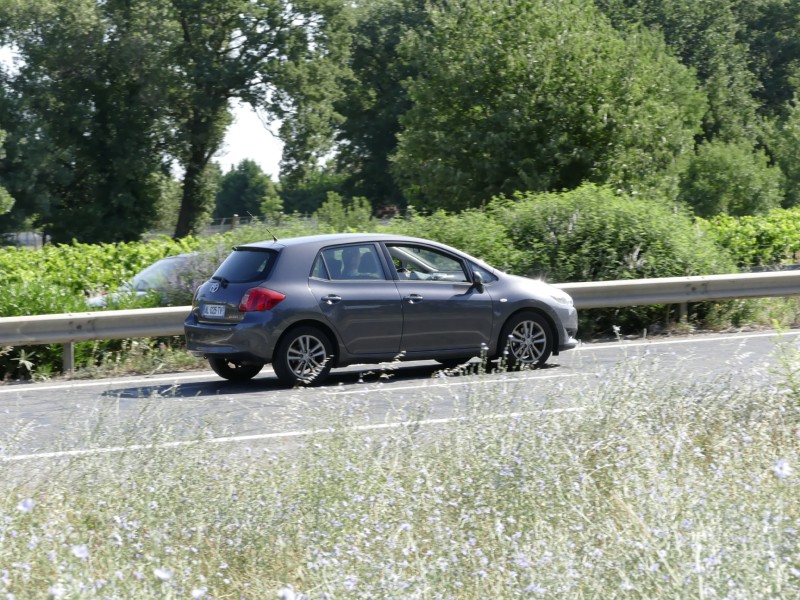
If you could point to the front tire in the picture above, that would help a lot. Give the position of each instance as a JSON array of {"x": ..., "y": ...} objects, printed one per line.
[
  {"x": 234, "y": 370},
  {"x": 526, "y": 341},
  {"x": 303, "y": 357}
]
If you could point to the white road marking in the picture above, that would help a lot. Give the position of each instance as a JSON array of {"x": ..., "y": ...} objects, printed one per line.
[
  {"x": 686, "y": 340},
  {"x": 203, "y": 375},
  {"x": 270, "y": 436}
]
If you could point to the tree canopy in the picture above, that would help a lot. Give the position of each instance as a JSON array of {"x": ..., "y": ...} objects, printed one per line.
[
  {"x": 116, "y": 108},
  {"x": 114, "y": 96},
  {"x": 535, "y": 95},
  {"x": 243, "y": 191}
]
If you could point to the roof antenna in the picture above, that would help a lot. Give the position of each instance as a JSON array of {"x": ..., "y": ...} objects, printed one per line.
[{"x": 274, "y": 239}]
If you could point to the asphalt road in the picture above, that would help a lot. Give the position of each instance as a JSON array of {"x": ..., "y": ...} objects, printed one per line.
[{"x": 40, "y": 421}]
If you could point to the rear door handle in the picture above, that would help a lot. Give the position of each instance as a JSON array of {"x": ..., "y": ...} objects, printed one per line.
[
  {"x": 331, "y": 299},
  {"x": 414, "y": 298}
]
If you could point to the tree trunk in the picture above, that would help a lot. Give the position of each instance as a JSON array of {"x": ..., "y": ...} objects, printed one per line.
[{"x": 193, "y": 197}]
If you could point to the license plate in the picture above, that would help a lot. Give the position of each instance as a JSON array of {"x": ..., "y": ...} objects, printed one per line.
[{"x": 215, "y": 311}]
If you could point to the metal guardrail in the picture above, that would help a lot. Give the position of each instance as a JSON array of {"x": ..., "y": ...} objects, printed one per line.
[
  {"x": 151, "y": 322},
  {"x": 680, "y": 290}
]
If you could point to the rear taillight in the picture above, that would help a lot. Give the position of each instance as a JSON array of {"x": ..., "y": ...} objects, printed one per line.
[{"x": 258, "y": 298}]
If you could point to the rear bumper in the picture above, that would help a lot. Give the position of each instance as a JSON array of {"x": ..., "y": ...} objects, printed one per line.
[{"x": 253, "y": 343}]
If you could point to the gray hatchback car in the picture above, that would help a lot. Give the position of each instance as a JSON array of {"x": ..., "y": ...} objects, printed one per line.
[{"x": 309, "y": 304}]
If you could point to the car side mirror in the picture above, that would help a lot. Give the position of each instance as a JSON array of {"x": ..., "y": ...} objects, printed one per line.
[{"x": 477, "y": 282}]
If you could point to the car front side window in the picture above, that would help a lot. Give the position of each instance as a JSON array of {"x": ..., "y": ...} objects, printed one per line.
[{"x": 426, "y": 264}]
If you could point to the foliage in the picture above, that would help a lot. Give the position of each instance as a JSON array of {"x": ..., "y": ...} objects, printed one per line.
[
  {"x": 595, "y": 234},
  {"x": 79, "y": 268},
  {"x": 785, "y": 143},
  {"x": 376, "y": 98},
  {"x": 770, "y": 34},
  {"x": 307, "y": 195},
  {"x": 473, "y": 231},
  {"x": 6, "y": 201},
  {"x": 86, "y": 128},
  {"x": 708, "y": 37},
  {"x": 244, "y": 190},
  {"x": 532, "y": 95},
  {"x": 758, "y": 241},
  {"x": 651, "y": 486},
  {"x": 731, "y": 178},
  {"x": 337, "y": 216}
]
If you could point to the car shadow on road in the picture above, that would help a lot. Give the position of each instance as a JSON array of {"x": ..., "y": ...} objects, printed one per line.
[{"x": 370, "y": 374}]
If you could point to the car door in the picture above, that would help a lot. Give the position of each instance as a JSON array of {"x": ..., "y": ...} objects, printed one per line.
[
  {"x": 359, "y": 301},
  {"x": 442, "y": 309}
]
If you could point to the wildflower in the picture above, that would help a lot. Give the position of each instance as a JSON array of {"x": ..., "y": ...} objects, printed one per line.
[
  {"x": 782, "y": 469},
  {"x": 80, "y": 551},
  {"x": 198, "y": 593},
  {"x": 286, "y": 593},
  {"x": 162, "y": 574},
  {"x": 350, "y": 582},
  {"x": 57, "y": 591},
  {"x": 25, "y": 505}
]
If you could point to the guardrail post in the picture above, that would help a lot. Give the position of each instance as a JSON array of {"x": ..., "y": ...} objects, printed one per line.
[
  {"x": 683, "y": 312},
  {"x": 68, "y": 358},
  {"x": 234, "y": 222}
]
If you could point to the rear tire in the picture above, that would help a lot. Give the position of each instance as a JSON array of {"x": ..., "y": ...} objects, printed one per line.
[
  {"x": 303, "y": 357},
  {"x": 526, "y": 341},
  {"x": 234, "y": 370}
]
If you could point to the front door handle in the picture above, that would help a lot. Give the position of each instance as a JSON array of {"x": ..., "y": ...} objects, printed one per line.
[
  {"x": 414, "y": 298},
  {"x": 331, "y": 299}
]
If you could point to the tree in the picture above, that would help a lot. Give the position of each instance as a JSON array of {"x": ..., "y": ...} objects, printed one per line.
[
  {"x": 6, "y": 201},
  {"x": 731, "y": 178},
  {"x": 375, "y": 99},
  {"x": 244, "y": 190},
  {"x": 784, "y": 146},
  {"x": 307, "y": 195},
  {"x": 534, "y": 95},
  {"x": 708, "y": 37},
  {"x": 86, "y": 136},
  {"x": 114, "y": 95},
  {"x": 770, "y": 32},
  {"x": 278, "y": 55}
]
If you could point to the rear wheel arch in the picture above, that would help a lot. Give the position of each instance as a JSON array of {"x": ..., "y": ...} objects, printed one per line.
[
  {"x": 324, "y": 328},
  {"x": 304, "y": 355}
]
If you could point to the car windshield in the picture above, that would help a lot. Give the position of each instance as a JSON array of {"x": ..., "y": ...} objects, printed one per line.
[
  {"x": 246, "y": 264},
  {"x": 158, "y": 275}
]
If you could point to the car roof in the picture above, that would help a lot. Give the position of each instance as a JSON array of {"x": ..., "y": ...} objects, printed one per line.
[
  {"x": 314, "y": 243},
  {"x": 321, "y": 240}
]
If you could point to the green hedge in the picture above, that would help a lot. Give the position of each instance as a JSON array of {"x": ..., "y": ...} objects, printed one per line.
[
  {"x": 595, "y": 234},
  {"x": 758, "y": 241}
]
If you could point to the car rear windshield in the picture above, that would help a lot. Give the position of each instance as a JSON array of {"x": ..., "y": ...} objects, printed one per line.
[{"x": 246, "y": 264}]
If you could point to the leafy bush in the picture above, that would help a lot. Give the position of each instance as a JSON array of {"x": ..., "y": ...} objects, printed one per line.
[
  {"x": 731, "y": 179},
  {"x": 758, "y": 240},
  {"x": 473, "y": 231},
  {"x": 83, "y": 268},
  {"x": 595, "y": 234},
  {"x": 337, "y": 216}
]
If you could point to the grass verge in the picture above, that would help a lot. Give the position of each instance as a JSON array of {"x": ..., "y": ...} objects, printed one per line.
[{"x": 649, "y": 487}]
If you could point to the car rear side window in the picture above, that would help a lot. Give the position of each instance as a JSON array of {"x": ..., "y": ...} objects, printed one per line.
[
  {"x": 356, "y": 261},
  {"x": 246, "y": 264}
]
